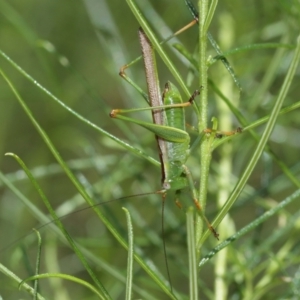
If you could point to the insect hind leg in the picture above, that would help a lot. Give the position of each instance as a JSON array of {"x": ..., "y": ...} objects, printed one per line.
[{"x": 199, "y": 208}]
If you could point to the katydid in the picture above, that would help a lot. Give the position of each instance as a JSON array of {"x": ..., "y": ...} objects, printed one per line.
[{"x": 169, "y": 128}]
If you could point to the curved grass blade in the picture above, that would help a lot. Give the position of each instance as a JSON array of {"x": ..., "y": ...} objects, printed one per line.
[
  {"x": 130, "y": 255},
  {"x": 14, "y": 277},
  {"x": 67, "y": 277}
]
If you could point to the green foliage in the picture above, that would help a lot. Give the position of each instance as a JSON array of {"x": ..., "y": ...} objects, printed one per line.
[{"x": 72, "y": 53}]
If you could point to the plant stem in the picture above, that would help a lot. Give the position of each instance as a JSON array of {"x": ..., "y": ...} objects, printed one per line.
[
  {"x": 204, "y": 149},
  {"x": 223, "y": 178}
]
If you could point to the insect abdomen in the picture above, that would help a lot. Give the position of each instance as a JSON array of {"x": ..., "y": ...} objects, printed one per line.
[{"x": 177, "y": 151}]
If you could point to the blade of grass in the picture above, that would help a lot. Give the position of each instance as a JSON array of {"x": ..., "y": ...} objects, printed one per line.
[
  {"x": 130, "y": 255},
  {"x": 14, "y": 277},
  {"x": 210, "y": 14},
  {"x": 67, "y": 277}
]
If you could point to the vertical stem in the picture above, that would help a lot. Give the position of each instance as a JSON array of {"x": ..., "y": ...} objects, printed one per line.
[
  {"x": 204, "y": 149},
  {"x": 203, "y": 7},
  {"x": 192, "y": 254},
  {"x": 226, "y": 84}
]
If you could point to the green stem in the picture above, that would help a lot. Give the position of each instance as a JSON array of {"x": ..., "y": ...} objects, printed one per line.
[
  {"x": 192, "y": 254},
  {"x": 204, "y": 149}
]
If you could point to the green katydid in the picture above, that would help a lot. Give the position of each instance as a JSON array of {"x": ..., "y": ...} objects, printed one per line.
[{"x": 168, "y": 126}]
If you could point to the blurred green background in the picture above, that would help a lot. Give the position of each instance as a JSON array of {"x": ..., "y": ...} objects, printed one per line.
[{"x": 75, "y": 50}]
